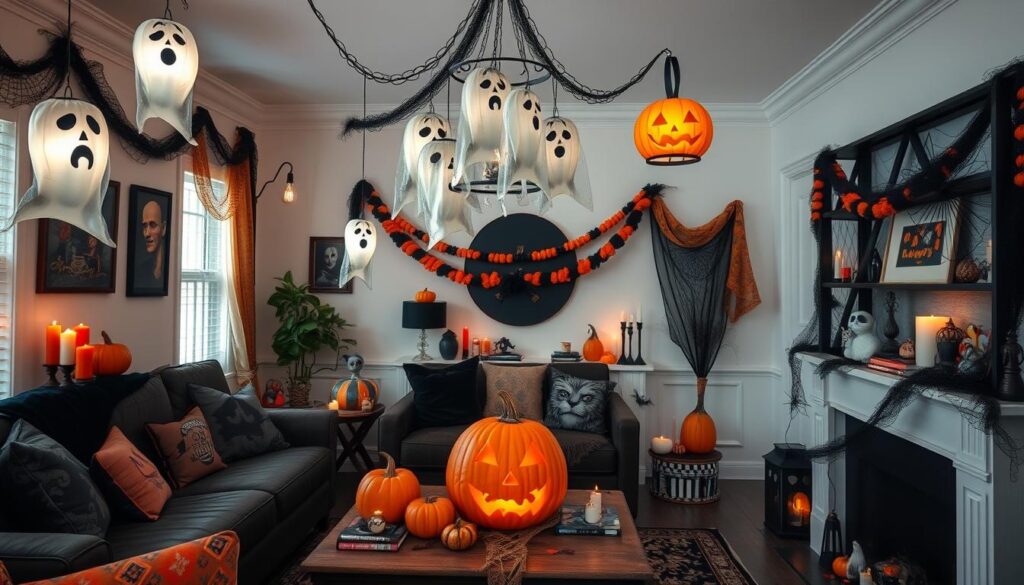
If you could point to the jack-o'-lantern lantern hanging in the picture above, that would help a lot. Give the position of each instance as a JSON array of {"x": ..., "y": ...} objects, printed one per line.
[{"x": 674, "y": 130}]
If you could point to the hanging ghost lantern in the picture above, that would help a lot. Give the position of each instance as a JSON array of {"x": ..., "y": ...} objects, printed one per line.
[
  {"x": 69, "y": 146},
  {"x": 419, "y": 131},
  {"x": 166, "y": 64},
  {"x": 522, "y": 157},
  {"x": 481, "y": 122},
  {"x": 446, "y": 209},
  {"x": 563, "y": 154},
  {"x": 360, "y": 243}
]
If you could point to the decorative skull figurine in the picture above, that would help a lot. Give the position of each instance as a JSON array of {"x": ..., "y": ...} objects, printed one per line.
[
  {"x": 563, "y": 153},
  {"x": 360, "y": 243},
  {"x": 522, "y": 157},
  {"x": 864, "y": 343},
  {"x": 419, "y": 131},
  {"x": 166, "y": 65},
  {"x": 445, "y": 207},
  {"x": 69, "y": 146},
  {"x": 481, "y": 123}
]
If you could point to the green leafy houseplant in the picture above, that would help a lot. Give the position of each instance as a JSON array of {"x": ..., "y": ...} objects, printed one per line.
[{"x": 307, "y": 326}]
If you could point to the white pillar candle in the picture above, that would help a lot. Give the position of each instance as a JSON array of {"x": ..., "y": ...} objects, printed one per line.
[
  {"x": 865, "y": 577},
  {"x": 592, "y": 511},
  {"x": 925, "y": 328},
  {"x": 661, "y": 445},
  {"x": 837, "y": 266},
  {"x": 67, "y": 347}
]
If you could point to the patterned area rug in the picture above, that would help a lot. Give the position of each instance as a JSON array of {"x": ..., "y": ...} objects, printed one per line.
[{"x": 679, "y": 556}]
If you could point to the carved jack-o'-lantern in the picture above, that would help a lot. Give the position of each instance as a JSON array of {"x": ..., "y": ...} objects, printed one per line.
[
  {"x": 419, "y": 131},
  {"x": 675, "y": 130},
  {"x": 505, "y": 472}
]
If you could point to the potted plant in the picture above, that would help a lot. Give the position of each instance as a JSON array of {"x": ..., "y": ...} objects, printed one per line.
[{"x": 307, "y": 326}]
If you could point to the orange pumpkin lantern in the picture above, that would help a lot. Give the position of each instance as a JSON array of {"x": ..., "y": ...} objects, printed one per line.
[
  {"x": 593, "y": 349},
  {"x": 109, "y": 358},
  {"x": 674, "y": 130},
  {"x": 698, "y": 433},
  {"x": 387, "y": 490},
  {"x": 427, "y": 517},
  {"x": 505, "y": 472}
]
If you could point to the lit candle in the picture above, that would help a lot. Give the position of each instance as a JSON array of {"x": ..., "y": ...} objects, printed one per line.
[
  {"x": 82, "y": 334},
  {"x": 622, "y": 316},
  {"x": 485, "y": 346},
  {"x": 837, "y": 266},
  {"x": 592, "y": 512},
  {"x": 332, "y": 405},
  {"x": 632, "y": 319},
  {"x": 83, "y": 362},
  {"x": 465, "y": 342},
  {"x": 661, "y": 445},
  {"x": 67, "y": 347},
  {"x": 52, "y": 348},
  {"x": 865, "y": 578},
  {"x": 925, "y": 329}
]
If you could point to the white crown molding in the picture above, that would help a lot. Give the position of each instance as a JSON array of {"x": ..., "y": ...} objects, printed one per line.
[{"x": 882, "y": 27}]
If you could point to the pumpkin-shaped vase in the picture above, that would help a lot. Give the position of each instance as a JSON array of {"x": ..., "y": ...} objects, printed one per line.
[
  {"x": 352, "y": 391},
  {"x": 698, "y": 433}
]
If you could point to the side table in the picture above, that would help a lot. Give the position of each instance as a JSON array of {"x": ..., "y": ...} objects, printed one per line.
[
  {"x": 358, "y": 424},
  {"x": 685, "y": 479}
]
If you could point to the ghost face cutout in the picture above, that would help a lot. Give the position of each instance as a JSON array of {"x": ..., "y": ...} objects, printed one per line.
[
  {"x": 419, "y": 131},
  {"x": 166, "y": 65},
  {"x": 69, "y": 146},
  {"x": 446, "y": 209},
  {"x": 481, "y": 123},
  {"x": 360, "y": 243},
  {"x": 522, "y": 159},
  {"x": 563, "y": 154}
]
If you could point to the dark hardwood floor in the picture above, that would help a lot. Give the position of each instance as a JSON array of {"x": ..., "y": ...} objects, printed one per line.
[{"x": 739, "y": 515}]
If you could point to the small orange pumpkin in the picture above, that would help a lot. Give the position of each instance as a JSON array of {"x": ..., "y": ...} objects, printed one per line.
[
  {"x": 425, "y": 296},
  {"x": 608, "y": 358},
  {"x": 593, "y": 349},
  {"x": 427, "y": 517},
  {"x": 109, "y": 358},
  {"x": 698, "y": 433},
  {"x": 388, "y": 490},
  {"x": 839, "y": 565},
  {"x": 459, "y": 536}
]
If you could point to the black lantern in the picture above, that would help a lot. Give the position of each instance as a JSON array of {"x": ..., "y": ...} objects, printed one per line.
[
  {"x": 831, "y": 541},
  {"x": 787, "y": 491}
]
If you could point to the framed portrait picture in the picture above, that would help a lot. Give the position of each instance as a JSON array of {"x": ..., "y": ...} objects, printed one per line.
[
  {"x": 922, "y": 244},
  {"x": 325, "y": 256},
  {"x": 70, "y": 260},
  {"x": 149, "y": 242}
]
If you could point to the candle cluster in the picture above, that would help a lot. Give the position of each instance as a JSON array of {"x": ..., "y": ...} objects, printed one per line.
[
  {"x": 69, "y": 347},
  {"x": 633, "y": 317}
]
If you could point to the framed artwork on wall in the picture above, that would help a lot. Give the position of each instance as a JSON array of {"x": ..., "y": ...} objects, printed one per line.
[
  {"x": 70, "y": 260},
  {"x": 922, "y": 244},
  {"x": 149, "y": 242},
  {"x": 325, "y": 256}
]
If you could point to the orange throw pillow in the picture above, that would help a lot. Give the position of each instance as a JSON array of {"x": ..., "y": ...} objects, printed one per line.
[
  {"x": 212, "y": 560},
  {"x": 130, "y": 482},
  {"x": 187, "y": 448}
]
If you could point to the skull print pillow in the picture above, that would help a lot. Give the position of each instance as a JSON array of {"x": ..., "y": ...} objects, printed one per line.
[
  {"x": 69, "y": 146},
  {"x": 522, "y": 158},
  {"x": 577, "y": 404},
  {"x": 166, "y": 65},
  {"x": 446, "y": 210},
  {"x": 481, "y": 123},
  {"x": 565, "y": 169},
  {"x": 418, "y": 132},
  {"x": 360, "y": 243}
]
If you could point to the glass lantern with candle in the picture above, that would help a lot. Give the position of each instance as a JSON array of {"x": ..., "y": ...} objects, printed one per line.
[{"x": 787, "y": 491}]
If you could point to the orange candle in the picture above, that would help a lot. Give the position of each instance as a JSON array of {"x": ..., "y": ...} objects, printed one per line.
[
  {"x": 83, "y": 362},
  {"x": 51, "y": 355},
  {"x": 485, "y": 346},
  {"x": 81, "y": 334}
]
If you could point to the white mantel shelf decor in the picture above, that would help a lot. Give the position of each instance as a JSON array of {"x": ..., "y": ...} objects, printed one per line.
[{"x": 989, "y": 494}]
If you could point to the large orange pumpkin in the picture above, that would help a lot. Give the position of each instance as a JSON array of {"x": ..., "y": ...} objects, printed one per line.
[
  {"x": 427, "y": 517},
  {"x": 109, "y": 358},
  {"x": 698, "y": 431},
  {"x": 674, "y": 130},
  {"x": 388, "y": 490},
  {"x": 505, "y": 472},
  {"x": 593, "y": 349}
]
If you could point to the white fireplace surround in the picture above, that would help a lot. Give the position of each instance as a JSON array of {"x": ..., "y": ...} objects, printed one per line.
[{"x": 989, "y": 503}]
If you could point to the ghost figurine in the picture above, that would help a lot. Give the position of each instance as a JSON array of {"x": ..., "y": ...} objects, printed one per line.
[
  {"x": 69, "y": 145},
  {"x": 419, "y": 131},
  {"x": 481, "y": 123},
  {"x": 856, "y": 562},
  {"x": 522, "y": 155},
  {"x": 360, "y": 243},
  {"x": 446, "y": 210},
  {"x": 863, "y": 342},
  {"x": 166, "y": 64},
  {"x": 564, "y": 162}
]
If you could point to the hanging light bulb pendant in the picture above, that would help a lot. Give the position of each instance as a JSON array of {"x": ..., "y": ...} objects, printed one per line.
[{"x": 166, "y": 65}]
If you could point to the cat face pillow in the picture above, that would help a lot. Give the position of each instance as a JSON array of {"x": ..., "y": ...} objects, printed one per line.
[{"x": 577, "y": 404}]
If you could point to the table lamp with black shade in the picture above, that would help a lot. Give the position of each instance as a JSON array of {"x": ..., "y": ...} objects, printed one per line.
[{"x": 424, "y": 316}]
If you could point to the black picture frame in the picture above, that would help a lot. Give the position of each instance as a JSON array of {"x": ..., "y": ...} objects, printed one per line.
[
  {"x": 60, "y": 268},
  {"x": 145, "y": 277},
  {"x": 318, "y": 268}
]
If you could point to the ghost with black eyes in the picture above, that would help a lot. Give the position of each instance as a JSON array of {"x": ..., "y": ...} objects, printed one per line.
[
  {"x": 563, "y": 156},
  {"x": 481, "y": 123},
  {"x": 522, "y": 157},
  {"x": 419, "y": 131},
  {"x": 446, "y": 208},
  {"x": 69, "y": 147},
  {"x": 360, "y": 244},
  {"x": 166, "y": 65}
]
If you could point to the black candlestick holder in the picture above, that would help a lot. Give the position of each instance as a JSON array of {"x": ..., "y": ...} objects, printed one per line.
[
  {"x": 629, "y": 356},
  {"x": 639, "y": 360},
  {"x": 51, "y": 376},
  {"x": 68, "y": 372},
  {"x": 622, "y": 351}
]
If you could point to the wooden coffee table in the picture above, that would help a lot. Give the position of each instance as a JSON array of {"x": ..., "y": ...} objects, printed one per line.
[{"x": 595, "y": 559}]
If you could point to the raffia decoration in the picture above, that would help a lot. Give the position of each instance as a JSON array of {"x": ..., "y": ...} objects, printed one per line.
[{"x": 505, "y": 556}]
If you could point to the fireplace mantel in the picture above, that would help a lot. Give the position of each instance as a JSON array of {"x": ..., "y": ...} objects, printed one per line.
[{"x": 989, "y": 502}]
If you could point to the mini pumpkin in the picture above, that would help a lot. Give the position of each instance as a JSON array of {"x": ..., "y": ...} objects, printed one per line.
[
  {"x": 608, "y": 358},
  {"x": 593, "y": 349},
  {"x": 427, "y": 517},
  {"x": 387, "y": 490},
  {"x": 967, "y": 270},
  {"x": 425, "y": 296},
  {"x": 459, "y": 536},
  {"x": 698, "y": 433},
  {"x": 907, "y": 350},
  {"x": 679, "y": 449},
  {"x": 839, "y": 565},
  {"x": 109, "y": 358}
]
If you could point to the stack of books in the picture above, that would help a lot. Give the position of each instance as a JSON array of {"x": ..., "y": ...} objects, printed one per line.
[
  {"x": 501, "y": 357},
  {"x": 356, "y": 536},
  {"x": 572, "y": 522},
  {"x": 897, "y": 366},
  {"x": 565, "y": 356}
]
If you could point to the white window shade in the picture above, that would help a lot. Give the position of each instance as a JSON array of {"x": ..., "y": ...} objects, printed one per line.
[
  {"x": 203, "y": 330},
  {"x": 8, "y": 172}
]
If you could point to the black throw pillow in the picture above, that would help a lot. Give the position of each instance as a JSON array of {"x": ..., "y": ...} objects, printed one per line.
[
  {"x": 446, "y": 396},
  {"x": 239, "y": 425}
]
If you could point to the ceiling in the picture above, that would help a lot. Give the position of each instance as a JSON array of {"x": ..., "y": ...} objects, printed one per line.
[{"x": 731, "y": 51}]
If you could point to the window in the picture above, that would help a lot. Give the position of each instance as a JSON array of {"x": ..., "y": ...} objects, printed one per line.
[
  {"x": 203, "y": 314},
  {"x": 8, "y": 168}
]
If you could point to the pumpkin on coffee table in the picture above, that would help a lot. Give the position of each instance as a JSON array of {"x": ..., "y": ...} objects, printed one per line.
[
  {"x": 109, "y": 358},
  {"x": 427, "y": 517},
  {"x": 387, "y": 490},
  {"x": 459, "y": 536}
]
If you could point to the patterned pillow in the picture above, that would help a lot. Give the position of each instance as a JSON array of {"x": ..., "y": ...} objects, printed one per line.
[
  {"x": 132, "y": 484},
  {"x": 187, "y": 448},
  {"x": 524, "y": 383},
  {"x": 46, "y": 489},
  {"x": 212, "y": 560},
  {"x": 577, "y": 404},
  {"x": 240, "y": 426}
]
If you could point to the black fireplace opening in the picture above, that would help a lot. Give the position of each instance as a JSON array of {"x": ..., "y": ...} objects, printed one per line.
[{"x": 900, "y": 501}]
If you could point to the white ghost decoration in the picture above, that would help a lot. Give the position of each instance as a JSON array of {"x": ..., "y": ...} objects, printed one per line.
[
  {"x": 419, "y": 131},
  {"x": 564, "y": 163},
  {"x": 522, "y": 156},
  {"x": 69, "y": 145},
  {"x": 480, "y": 123},
  {"x": 166, "y": 64},
  {"x": 360, "y": 243},
  {"x": 446, "y": 209}
]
